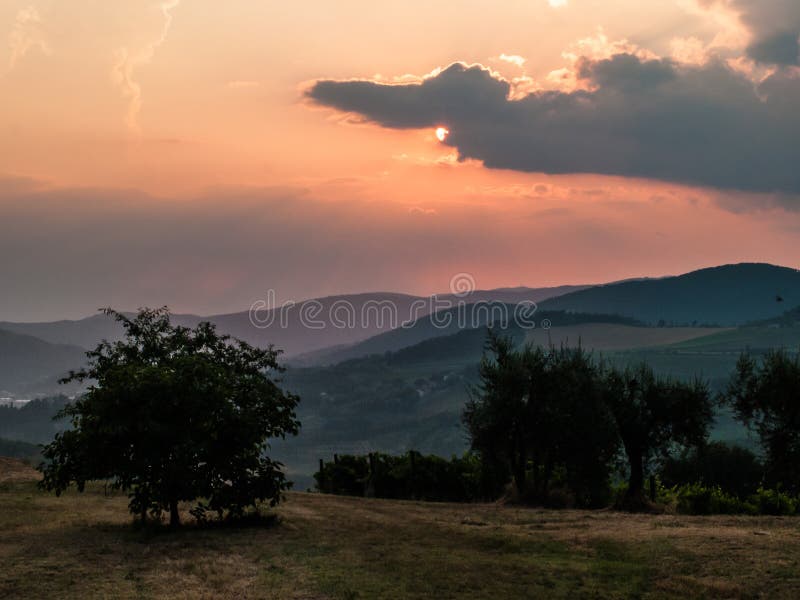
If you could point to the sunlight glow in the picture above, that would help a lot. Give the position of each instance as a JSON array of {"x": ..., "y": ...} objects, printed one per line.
[{"x": 442, "y": 133}]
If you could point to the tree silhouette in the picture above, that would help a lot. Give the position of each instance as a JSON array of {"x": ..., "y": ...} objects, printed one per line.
[
  {"x": 765, "y": 396},
  {"x": 175, "y": 414},
  {"x": 652, "y": 414},
  {"x": 537, "y": 412}
]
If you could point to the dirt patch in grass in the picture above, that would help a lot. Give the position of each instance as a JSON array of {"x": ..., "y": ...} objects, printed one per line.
[{"x": 15, "y": 470}]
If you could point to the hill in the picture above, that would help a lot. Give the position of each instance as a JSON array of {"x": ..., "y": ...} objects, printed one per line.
[
  {"x": 305, "y": 327},
  {"x": 513, "y": 295},
  {"x": 790, "y": 318},
  {"x": 28, "y": 364},
  {"x": 83, "y": 546},
  {"x": 446, "y": 323},
  {"x": 605, "y": 337},
  {"x": 29, "y": 453},
  {"x": 726, "y": 295},
  {"x": 32, "y": 423}
]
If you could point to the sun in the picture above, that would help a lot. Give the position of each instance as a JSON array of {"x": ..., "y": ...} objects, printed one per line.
[{"x": 442, "y": 133}]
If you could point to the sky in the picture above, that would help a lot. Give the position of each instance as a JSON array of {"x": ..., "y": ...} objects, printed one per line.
[{"x": 198, "y": 154}]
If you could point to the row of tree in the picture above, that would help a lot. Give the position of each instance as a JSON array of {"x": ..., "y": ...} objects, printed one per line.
[
  {"x": 714, "y": 478},
  {"x": 545, "y": 416},
  {"x": 411, "y": 476}
]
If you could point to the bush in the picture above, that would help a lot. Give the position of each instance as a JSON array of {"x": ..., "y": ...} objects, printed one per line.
[
  {"x": 698, "y": 499},
  {"x": 735, "y": 469},
  {"x": 345, "y": 477},
  {"x": 773, "y": 502},
  {"x": 410, "y": 476}
]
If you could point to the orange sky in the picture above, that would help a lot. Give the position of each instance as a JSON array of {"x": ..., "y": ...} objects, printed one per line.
[{"x": 189, "y": 113}]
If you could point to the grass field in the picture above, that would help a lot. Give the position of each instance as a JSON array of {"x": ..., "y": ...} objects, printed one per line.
[
  {"x": 613, "y": 336},
  {"x": 81, "y": 546}
]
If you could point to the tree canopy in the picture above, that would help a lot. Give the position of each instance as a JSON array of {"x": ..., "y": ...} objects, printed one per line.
[
  {"x": 175, "y": 414},
  {"x": 765, "y": 396},
  {"x": 537, "y": 414},
  {"x": 653, "y": 415},
  {"x": 556, "y": 414}
]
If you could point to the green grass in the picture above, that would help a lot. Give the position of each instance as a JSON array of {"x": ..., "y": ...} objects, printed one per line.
[
  {"x": 737, "y": 340},
  {"x": 603, "y": 337},
  {"x": 80, "y": 546}
]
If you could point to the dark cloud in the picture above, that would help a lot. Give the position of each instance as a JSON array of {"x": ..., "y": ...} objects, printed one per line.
[
  {"x": 775, "y": 26},
  {"x": 704, "y": 125}
]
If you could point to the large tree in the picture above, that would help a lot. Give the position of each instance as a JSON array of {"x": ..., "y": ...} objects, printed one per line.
[
  {"x": 537, "y": 412},
  {"x": 765, "y": 396},
  {"x": 175, "y": 414},
  {"x": 653, "y": 415},
  {"x": 505, "y": 413}
]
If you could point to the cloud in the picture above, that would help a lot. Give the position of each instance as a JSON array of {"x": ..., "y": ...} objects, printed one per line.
[
  {"x": 653, "y": 118},
  {"x": 557, "y": 3},
  {"x": 26, "y": 34},
  {"x": 418, "y": 210},
  {"x": 689, "y": 50},
  {"x": 128, "y": 61},
  {"x": 514, "y": 59},
  {"x": 774, "y": 26}
]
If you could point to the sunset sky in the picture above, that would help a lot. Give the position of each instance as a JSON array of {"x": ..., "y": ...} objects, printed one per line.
[{"x": 197, "y": 153}]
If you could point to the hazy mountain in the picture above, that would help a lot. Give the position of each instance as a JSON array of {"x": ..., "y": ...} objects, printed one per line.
[
  {"x": 85, "y": 333},
  {"x": 726, "y": 295},
  {"x": 513, "y": 295},
  {"x": 304, "y": 327},
  {"x": 28, "y": 364},
  {"x": 452, "y": 321}
]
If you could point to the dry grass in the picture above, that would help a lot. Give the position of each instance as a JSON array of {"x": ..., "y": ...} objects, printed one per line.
[
  {"x": 12, "y": 469},
  {"x": 80, "y": 546}
]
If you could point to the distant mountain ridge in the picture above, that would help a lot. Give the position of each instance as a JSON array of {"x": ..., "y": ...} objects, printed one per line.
[
  {"x": 727, "y": 295},
  {"x": 287, "y": 328},
  {"x": 30, "y": 364},
  {"x": 453, "y": 321}
]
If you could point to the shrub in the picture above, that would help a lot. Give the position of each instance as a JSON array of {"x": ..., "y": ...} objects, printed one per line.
[
  {"x": 410, "y": 476},
  {"x": 735, "y": 469},
  {"x": 346, "y": 477},
  {"x": 698, "y": 499},
  {"x": 773, "y": 502}
]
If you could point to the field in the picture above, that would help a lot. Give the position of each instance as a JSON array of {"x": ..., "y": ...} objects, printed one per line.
[
  {"x": 613, "y": 336},
  {"x": 80, "y": 546}
]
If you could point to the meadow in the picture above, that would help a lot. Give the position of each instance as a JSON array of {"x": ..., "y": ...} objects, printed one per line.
[{"x": 84, "y": 545}]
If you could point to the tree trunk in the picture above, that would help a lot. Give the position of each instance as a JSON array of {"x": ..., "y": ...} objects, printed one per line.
[
  {"x": 635, "y": 499},
  {"x": 174, "y": 515},
  {"x": 636, "y": 480},
  {"x": 548, "y": 473},
  {"x": 519, "y": 476}
]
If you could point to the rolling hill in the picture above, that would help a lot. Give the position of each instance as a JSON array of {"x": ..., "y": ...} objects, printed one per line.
[
  {"x": 448, "y": 322},
  {"x": 28, "y": 364},
  {"x": 305, "y": 327},
  {"x": 727, "y": 295}
]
